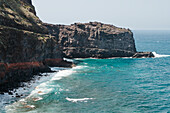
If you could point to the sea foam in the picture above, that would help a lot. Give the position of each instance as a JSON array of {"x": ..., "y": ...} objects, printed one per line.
[
  {"x": 159, "y": 55},
  {"x": 68, "y": 60},
  {"x": 61, "y": 74},
  {"x": 79, "y": 100},
  {"x": 44, "y": 88}
]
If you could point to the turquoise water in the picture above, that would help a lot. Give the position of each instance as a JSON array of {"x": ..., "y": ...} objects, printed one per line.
[{"x": 121, "y": 85}]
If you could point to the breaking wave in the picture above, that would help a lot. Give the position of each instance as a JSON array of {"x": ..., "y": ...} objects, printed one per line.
[
  {"x": 41, "y": 92},
  {"x": 79, "y": 100},
  {"x": 159, "y": 55}
]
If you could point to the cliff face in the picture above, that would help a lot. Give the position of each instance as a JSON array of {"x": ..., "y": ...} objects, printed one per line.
[
  {"x": 25, "y": 44},
  {"x": 23, "y": 37},
  {"x": 96, "y": 40},
  {"x": 20, "y": 14}
]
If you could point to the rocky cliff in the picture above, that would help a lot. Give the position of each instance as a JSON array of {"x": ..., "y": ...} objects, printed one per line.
[
  {"x": 96, "y": 40},
  {"x": 20, "y": 14},
  {"x": 28, "y": 46},
  {"x": 23, "y": 37}
]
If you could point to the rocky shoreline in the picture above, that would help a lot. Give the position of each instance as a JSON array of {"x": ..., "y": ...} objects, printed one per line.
[
  {"x": 29, "y": 47},
  {"x": 12, "y": 75}
]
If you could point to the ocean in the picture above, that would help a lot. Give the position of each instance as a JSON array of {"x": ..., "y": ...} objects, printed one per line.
[{"x": 115, "y": 85}]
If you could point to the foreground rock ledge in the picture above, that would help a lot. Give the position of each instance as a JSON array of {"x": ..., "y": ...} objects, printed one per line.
[{"x": 12, "y": 75}]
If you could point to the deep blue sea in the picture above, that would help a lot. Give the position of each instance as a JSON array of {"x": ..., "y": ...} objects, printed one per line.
[{"x": 121, "y": 85}]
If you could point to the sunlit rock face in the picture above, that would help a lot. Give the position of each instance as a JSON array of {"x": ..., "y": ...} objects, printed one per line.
[
  {"x": 25, "y": 44},
  {"x": 94, "y": 39},
  {"x": 27, "y": 1}
]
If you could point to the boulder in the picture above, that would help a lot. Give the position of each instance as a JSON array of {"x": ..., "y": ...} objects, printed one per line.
[{"x": 143, "y": 55}]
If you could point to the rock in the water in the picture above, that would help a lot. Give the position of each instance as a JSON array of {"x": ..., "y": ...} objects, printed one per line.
[{"x": 143, "y": 55}]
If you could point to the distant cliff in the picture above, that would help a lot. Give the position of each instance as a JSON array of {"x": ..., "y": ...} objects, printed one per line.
[
  {"x": 96, "y": 40},
  {"x": 29, "y": 46}
]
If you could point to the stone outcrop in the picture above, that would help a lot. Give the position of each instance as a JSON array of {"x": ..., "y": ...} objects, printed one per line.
[
  {"x": 143, "y": 55},
  {"x": 15, "y": 73},
  {"x": 95, "y": 40},
  {"x": 20, "y": 14},
  {"x": 25, "y": 44}
]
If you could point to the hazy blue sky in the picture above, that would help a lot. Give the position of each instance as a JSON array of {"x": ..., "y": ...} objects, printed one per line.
[{"x": 133, "y": 14}]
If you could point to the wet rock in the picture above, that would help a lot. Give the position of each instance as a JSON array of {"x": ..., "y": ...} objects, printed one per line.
[
  {"x": 10, "y": 93},
  {"x": 58, "y": 63},
  {"x": 18, "y": 96},
  {"x": 143, "y": 55},
  {"x": 2, "y": 93}
]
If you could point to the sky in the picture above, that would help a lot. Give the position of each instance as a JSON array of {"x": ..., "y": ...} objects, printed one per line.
[{"x": 133, "y": 14}]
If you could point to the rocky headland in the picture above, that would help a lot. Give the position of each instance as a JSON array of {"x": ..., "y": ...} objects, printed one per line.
[
  {"x": 95, "y": 40},
  {"x": 28, "y": 46}
]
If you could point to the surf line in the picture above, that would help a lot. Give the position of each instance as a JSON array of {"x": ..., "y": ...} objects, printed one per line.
[
  {"x": 79, "y": 100},
  {"x": 159, "y": 55}
]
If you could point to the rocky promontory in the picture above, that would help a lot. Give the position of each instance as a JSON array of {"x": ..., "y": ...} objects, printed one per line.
[
  {"x": 95, "y": 40},
  {"x": 26, "y": 46},
  {"x": 29, "y": 46}
]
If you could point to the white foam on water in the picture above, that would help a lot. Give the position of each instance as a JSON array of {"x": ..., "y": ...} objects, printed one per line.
[
  {"x": 28, "y": 87},
  {"x": 38, "y": 87},
  {"x": 66, "y": 73},
  {"x": 61, "y": 74},
  {"x": 120, "y": 57},
  {"x": 58, "y": 68},
  {"x": 85, "y": 58},
  {"x": 79, "y": 100},
  {"x": 159, "y": 55},
  {"x": 68, "y": 60},
  {"x": 35, "y": 95},
  {"x": 79, "y": 67},
  {"x": 44, "y": 88}
]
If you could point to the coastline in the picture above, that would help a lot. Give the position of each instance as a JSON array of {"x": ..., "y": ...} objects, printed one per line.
[
  {"x": 39, "y": 81},
  {"x": 29, "y": 47},
  {"x": 56, "y": 84},
  {"x": 13, "y": 75},
  {"x": 28, "y": 86},
  {"x": 36, "y": 89}
]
